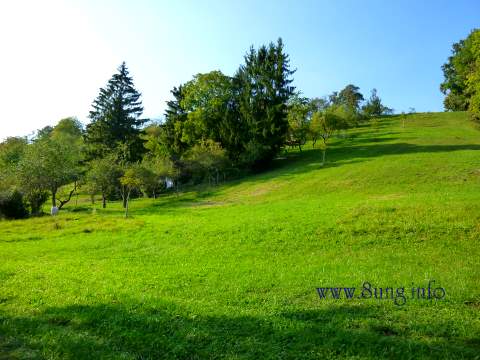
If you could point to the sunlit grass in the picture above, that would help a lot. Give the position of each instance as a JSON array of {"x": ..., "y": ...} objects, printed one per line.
[{"x": 231, "y": 271}]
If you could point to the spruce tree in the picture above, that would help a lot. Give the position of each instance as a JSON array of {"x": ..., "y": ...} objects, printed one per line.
[
  {"x": 265, "y": 88},
  {"x": 115, "y": 119},
  {"x": 175, "y": 116}
]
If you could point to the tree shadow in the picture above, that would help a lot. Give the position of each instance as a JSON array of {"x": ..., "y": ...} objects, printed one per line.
[
  {"x": 166, "y": 331},
  {"x": 342, "y": 152}
]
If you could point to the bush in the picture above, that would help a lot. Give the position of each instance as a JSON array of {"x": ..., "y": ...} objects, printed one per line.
[
  {"x": 36, "y": 199},
  {"x": 12, "y": 205},
  {"x": 206, "y": 160}
]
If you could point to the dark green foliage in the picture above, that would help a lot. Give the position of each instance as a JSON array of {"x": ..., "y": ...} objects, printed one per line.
[
  {"x": 115, "y": 118},
  {"x": 12, "y": 205},
  {"x": 374, "y": 106},
  {"x": 36, "y": 198},
  {"x": 175, "y": 116},
  {"x": 246, "y": 114},
  {"x": 350, "y": 96},
  {"x": 265, "y": 88},
  {"x": 455, "y": 72},
  {"x": 299, "y": 115},
  {"x": 205, "y": 103},
  {"x": 462, "y": 76}
]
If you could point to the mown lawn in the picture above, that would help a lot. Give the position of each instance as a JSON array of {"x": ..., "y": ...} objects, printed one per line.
[{"x": 232, "y": 271}]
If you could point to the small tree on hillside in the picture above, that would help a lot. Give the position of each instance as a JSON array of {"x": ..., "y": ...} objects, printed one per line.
[
  {"x": 208, "y": 160},
  {"x": 327, "y": 123},
  {"x": 49, "y": 164},
  {"x": 131, "y": 180},
  {"x": 350, "y": 96},
  {"x": 298, "y": 117},
  {"x": 103, "y": 177},
  {"x": 315, "y": 127},
  {"x": 374, "y": 106},
  {"x": 157, "y": 171}
]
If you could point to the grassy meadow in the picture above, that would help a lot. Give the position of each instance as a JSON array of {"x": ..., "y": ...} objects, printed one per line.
[{"x": 231, "y": 271}]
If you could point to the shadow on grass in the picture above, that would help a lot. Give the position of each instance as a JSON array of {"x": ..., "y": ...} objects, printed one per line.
[
  {"x": 168, "y": 332},
  {"x": 353, "y": 151},
  {"x": 343, "y": 152}
]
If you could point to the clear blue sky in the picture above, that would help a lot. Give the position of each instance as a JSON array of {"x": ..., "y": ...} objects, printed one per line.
[{"x": 56, "y": 54}]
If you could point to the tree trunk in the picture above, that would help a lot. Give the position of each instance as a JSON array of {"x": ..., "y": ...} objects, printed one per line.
[
  {"x": 63, "y": 202},
  {"x": 323, "y": 156},
  {"x": 104, "y": 201},
  {"x": 126, "y": 204},
  {"x": 124, "y": 197},
  {"x": 54, "y": 197}
]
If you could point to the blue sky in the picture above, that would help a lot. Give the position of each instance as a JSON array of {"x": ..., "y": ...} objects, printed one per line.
[{"x": 57, "y": 54}]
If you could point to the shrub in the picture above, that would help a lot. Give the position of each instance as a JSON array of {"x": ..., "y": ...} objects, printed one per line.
[{"x": 12, "y": 205}]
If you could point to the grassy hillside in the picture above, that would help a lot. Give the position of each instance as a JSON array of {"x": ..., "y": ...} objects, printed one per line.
[{"x": 232, "y": 271}]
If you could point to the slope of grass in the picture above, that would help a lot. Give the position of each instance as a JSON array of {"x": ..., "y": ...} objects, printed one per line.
[{"x": 232, "y": 271}]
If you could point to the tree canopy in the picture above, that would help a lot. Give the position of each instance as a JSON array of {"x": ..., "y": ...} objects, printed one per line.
[{"x": 461, "y": 85}]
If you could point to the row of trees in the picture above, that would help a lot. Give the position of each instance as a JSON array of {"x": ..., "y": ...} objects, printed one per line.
[
  {"x": 462, "y": 76},
  {"x": 319, "y": 118},
  {"x": 215, "y": 125}
]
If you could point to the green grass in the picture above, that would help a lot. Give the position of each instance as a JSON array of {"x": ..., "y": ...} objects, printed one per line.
[{"x": 232, "y": 271}]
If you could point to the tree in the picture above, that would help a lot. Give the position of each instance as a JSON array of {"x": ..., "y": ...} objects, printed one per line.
[
  {"x": 11, "y": 151},
  {"x": 374, "y": 106},
  {"x": 47, "y": 165},
  {"x": 115, "y": 118},
  {"x": 327, "y": 122},
  {"x": 43, "y": 133},
  {"x": 131, "y": 180},
  {"x": 153, "y": 141},
  {"x": 315, "y": 128},
  {"x": 205, "y": 100},
  {"x": 171, "y": 132},
  {"x": 319, "y": 104},
  {"x": 350, "y": 96},
  {"x": 263, "y": 89},
  {"x": 208, "y": 160},
  {"x": 69, "y": 126},
  {"x": 299, "y": 110},
  {"x": 473, "y": 78},
  {"x": 12, "y": 204},
  {"x": 103, "y": 177},
  {"x": 460, "y": 67},
  {"x": 156, "y": 171}
]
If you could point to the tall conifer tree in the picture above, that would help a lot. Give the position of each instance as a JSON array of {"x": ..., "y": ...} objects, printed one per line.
[
  {"x": 115, "y": 119},
  {"x": 265, "y": 88}
]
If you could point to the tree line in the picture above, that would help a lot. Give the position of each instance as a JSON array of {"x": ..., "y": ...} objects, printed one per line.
[
  {"x": 216, "y": 126},
  {"x": 461, "y": 85}
]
